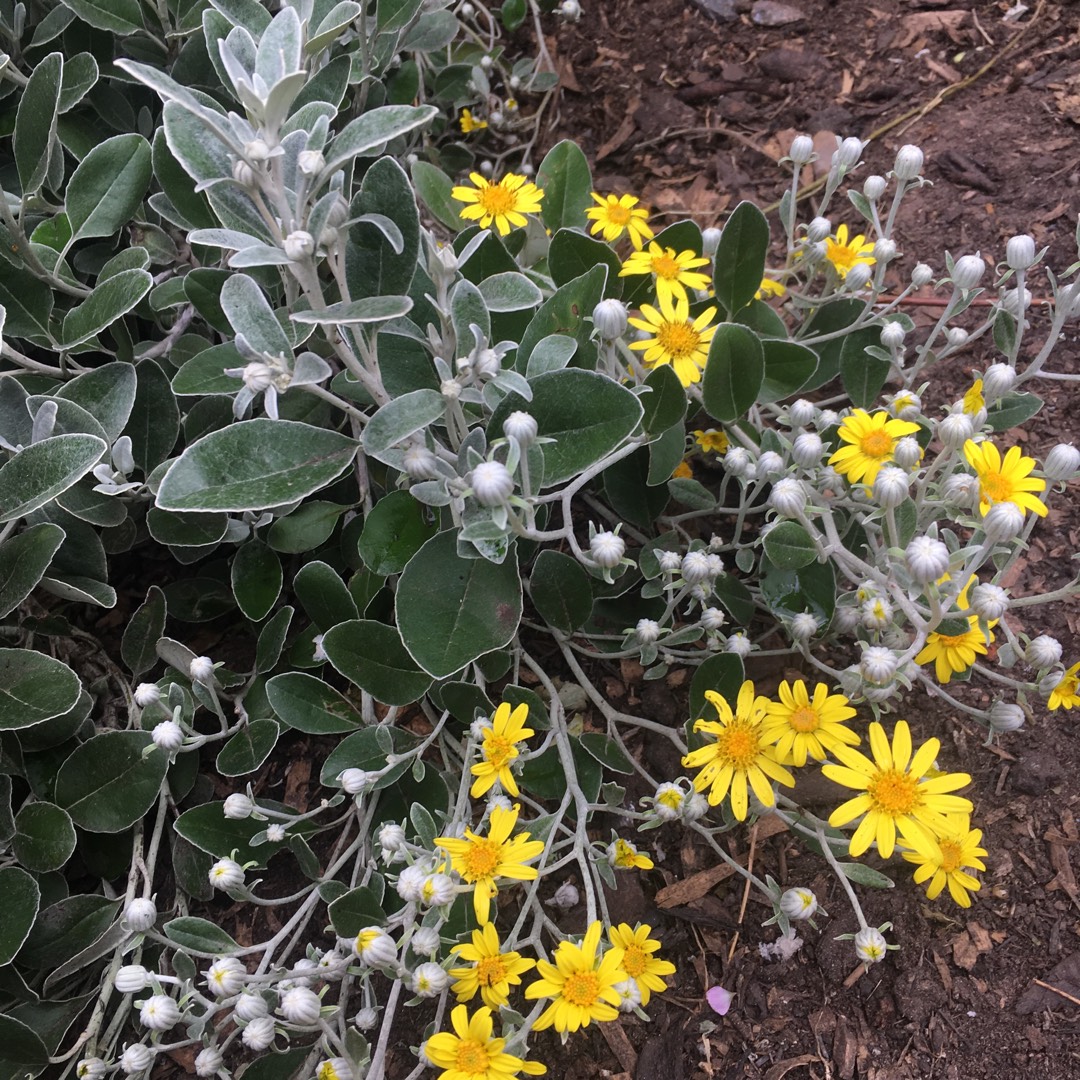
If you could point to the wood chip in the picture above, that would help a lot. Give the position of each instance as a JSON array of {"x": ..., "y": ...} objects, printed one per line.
[
  {"x": 782, "y": 1068},
  {"x": 620, "y": 1045}
]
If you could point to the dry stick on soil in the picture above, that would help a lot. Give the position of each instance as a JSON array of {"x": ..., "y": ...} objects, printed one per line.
[
  {"x": 1055, "y": 990},
  {"x": 746, "y": 888}
]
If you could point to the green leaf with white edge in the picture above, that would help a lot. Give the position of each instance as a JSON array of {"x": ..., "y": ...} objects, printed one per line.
[
  {"x": 272, "y": 639},
  {"x": 666, "y": 451},
  {"x": 566, "y": 181},
  {"x": 44, "y": 837},
  {"x": 561, "y": 590},
  {"x": 371, "y": 309},
  {"x": 207, "y": 828},
  {"x": 204, "y": 374},
  {"x": 372, "y": 130},
  {"x": 155, "y": 417},
  {"x": 862, "y": 374},
  {"x": 723, "y": 673},
  {"x": 117, "y": 16},
  {"x": 394, "y": 531},
  {"x": 105, "y": 190},
  {"x": 367, "y": 750},
  {"x": 424, "y": 824},
  {"x": 107, "y": 783},
  {"x": 450, "y": 610},
  {"x": 186, "y": 529},
  {"x": 80, "y": 76},
  {"x": 606, "y": 750},
  {"x": 332, "y": 25},
  {"x": 357, "y": 909},
  {"x": 248, "y": 748},
  {"x": 249, "y": 313},
  {"x": 552, "y": 353},
  {"x": 107, "y": 393},
  {"x": 733, "y": 373},
  {"x": 24, "y": 558},
  {"x": 323, "y": 594},
  {"x": 572, "y": 254},
  {"x": 691, "y": 493},
  {"x": 371, "y": 655},
  {"x": 256, "y": 579},
  {"x": 433, "y": 30},
  {"x": 43, "y": 470},
  {"x": 108, "y": 302},
  {"x": 138, "y": 647},
  {"x": 568, "y": 311},
  {"x": 254, "y": 465},
  {"x": 665, "y": 403},
  {"x": 1011, "y": 411},
  {"x": 306, "y": 528},
  {"x": 307, "y": 704},
  {"x": 788, "y": 367},
  {"x": 200, "y": 936},
  {"x": 434, "y": 188},
  {"x": 19, "y": 900},
  {"x": 21, "y": 1046},
  {"x": 789, "y": 546},
  {"x": 35, "y": 122},
  {"x": 66, "y": 928},
  {"x": 862, "y": 874},
  {"x": 510, "y": 292},
  {"x": 400, "y": 418},
  {"x": 739, "y": 265},
  {"x": 34, "y": 688}
]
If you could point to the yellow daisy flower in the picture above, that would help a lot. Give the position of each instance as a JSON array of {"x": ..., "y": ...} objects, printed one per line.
[
  {"x": 581, "y": 983},
  {"x": 624, "y": 856},
  {"x": 1005, "y": 479},
  {"x": 505, "y": 203},
  {"x": 683, "y": 471},
  {"x": 499, "y": 749},
  {"x": 974, "y": 402},
  {"x": 472, "y": 1054},
  {"x": 895, "y": 792},
  {"x": 638, "y": 961},
  {"x": 769, "y": 288},
  {"x": 945, "y": 859},
  {"x": 871, "y": 441},
  {"x": 492, "y": 971},
  {"x": 712, "y": 441},
  {"x": 802, "y": 726},
  {"x": 843, "y": 255},
  {"x": 677, "y": 340},
  {"x": 675, "y": 273},
  {"x": 954, "y": 653},
  {"x": 481, "y": 859},
  {"x": 1065, "y": 695},
  {"x": 615, "y": 214},
  {"x": 741, "y": 753},
  {"x": 470, "y": 123}
]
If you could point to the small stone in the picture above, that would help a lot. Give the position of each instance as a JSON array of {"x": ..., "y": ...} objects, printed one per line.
[
  {"x": 790, "y": 65},
  {"x": 771, "y": 13},
  {"x": 721, "y": 10},
  {"x": 1036, "y": 772}
]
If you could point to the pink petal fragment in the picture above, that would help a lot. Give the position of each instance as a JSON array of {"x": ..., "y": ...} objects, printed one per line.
[{"x": 719, "y": 999}]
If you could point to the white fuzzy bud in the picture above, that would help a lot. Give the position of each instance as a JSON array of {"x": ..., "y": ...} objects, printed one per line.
[
  {"x": 419, "y": 462},
  {"x": 375, "y": 947},
  {"x": 168, "y": 736},
  {"x": 259, "y": 1033},
  {"x": 647, "y": 631},
  {"x": 570, "y": 10},
  {"x": 858, "y": 277},
  {"x": 425, "y": 942},
  {"x": 846, "y": 618},
  {"x": 146, "y": 694},
  {"x": 1051, "y": 681},
  {"x": 208, "y": 1061},
  {"x": 892, "y": 335},
  {"x": 739, "y": 644},
  {"x": 629, "y": 995},
  {"x": 798, "y": 903},
  {"x": 884, "y": 250},
  {"x": 366, "y": 1019},
  {"x": 201, "y": 669},
  {"x": 802, "y": 150},
  {"x": 738, "y": 463},
  {"x": 818, "y": 229},
  {"x": 803, "y": 626},
  {"x": 954, "y": 429},
  {"x": 353, "y": 781},
  {"x": 712, "y": 618},
  {"x": 250, "y": 1007},
  {"x": 907, "y": 453},
  {"x": 877, "y": 613},
  {"x": 960, "y": 489},
  {"x": 391, "y": 837},
  {"x": 1062, "y": 462},
  {"x": 807, "y": 449},
  {"x": 870, "y": 945},
  {"x": 92, "y": 1068},
  {"x": 668, "y": 802},
  {"x": 140, "y": 915},
  {"x": 429, "y": 980},
  {"x": 848, "y": 153},
  {"x": 310, "y": 162},
  {"x": 927, "y": 559},
  {"x": 275, "y": 833},
  {"x": 921, "y": 275},
  {"x": 300, "y": 1006},
  {"x": 1020, "y": 252},
  {"x": 299, "y": 245},
  {"x": 908, "y": 164},
  {"x": 159, "y": 1013},
  {"x": 132, "y": 978},
  {"x": 336, "y": 1068},
  {"x": 243, "y": 174},
  {"x": 890, "y": 486},
  {"x": 410, "y": 882},
  {"x": 136, "y": 1059},
  {"x": 1014, "y": 303},
  {"x": 1003, "y": 521},
  {"x": 606, "y": 549},
  {"x": 610, "y": 319},
  {"x": 226, "y": 977},
  {"x": 801, "y": 413},
  {"x": 956, "y": 336},
  {"x": 492, "y": 483},
  {"x": 878, "y": 665},
  {"x": 1005, "y": 717},
  {"x": 770, "y": 464},
  {"x": 874, "y": 187},
  {"x": 437, "y": 890},
  {"x": 238, "y": 806},
  {"x": 695, "y": 807},
  {"x": 226, "y": 874},
  {"x": 695, "y": 567},
  {"x": 968, "y": 271},
  {"x": 1043, "y": 651},
  {"x": 257, "y": 150},
  {"x": 788, "y": 497},
  {"x": 669, "y": 561},
  {"x": 998, "y": 381},
  {"x": 521, "y": 427},
  {"x": 710, "y": 241},
  {"x": 989, "y": 601}
]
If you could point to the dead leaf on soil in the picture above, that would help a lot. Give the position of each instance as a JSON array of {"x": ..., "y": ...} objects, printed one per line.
[
  {"x": 782, "y": 1068},
  {"x": 970, "y": 945},
  {"x": 620, "y": 1046},
  {"x": 1064, "y": 977},
  {"x": 622, "y": 132},
  {"x": 928, "y": 22}
]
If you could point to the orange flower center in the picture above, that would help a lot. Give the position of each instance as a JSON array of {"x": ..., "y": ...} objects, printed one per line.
[
  {"x": 804, "y": 718},
  {"x": 618, "y": 215},
  {"x": 1067, "y": 687},
  {"x": 497, "y": 200},
  {"x": 877, "y": 443},
  {"x": 894, "y": 793},
  {"x": 680, "y": 340},
  {"x": 634, "y": 960},
  {"x": 841, "y": 256},
  {"x": 737, "y": 745},
  {"x": 481, "y": 859},
  {"x": 582, "y": 988},
  {"x": 951, "y": 856},
  {"x": 666, "y": 266},
  {"x": 499, "y": 750},
  {"x": 490, "y": 970},
  {"x": 995, "y": 487},
  {"x": 472, "y": 1057}
]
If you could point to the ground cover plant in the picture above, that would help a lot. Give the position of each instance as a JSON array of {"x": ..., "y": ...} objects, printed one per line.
[{"x": 433, "y": 431}]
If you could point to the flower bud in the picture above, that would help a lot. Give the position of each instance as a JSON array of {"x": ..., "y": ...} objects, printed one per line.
[
  {"x": 695, "y": 807},
  {"x": 410, "y": 882},
  {"x": 989, "y": 601},
  {"x": 848, "y": 153},
  {"x": 208, "y": 1061},
  {"x": 739, "y": 463},
  {"x": 238, "y": 806},
  {"x": 606, "y": 549},
  {"x": 802, "y": 150},
  {"x": 954, "y": 429},
  {"x": 710, "y": 241},
  {"x": 339, "y": 1068},
  {"x": 801, "y": 413},
  {"x": 1020, "y": 252},
  {"x": 716, "y": 564},
  {"x": 874, "y": 187},
  {"x": 798, "y": 903},
  {"x": 1003, "y": 521},
  {"x": 353, "y": 781},
  {"x": 136, "y": 1059},
  {"x": 647, "y": 631},
  {"x": 788, "y": 497},
  {"x": 877, "y": 613},
  {"x": 927, "y": 559},
  {"x": 310, "y": 162},
  {"x": 429, "y": 980},
  {"x": 146, "y": 694},
  {"x": 668, "y": 802},
  {"x": 1005, "y": 717},
  {"x": 1043, "y": 651},
  {"x": 1051, "y": 681},
  {"x": 739, "y": 644},
  {"x": 846, "y": 618},
  {"x": 807, "y": 449},
  {"x": 803, "y": 626},
  {"x": 968, "y": 271},
  {"x": 890, "y": 486},
  {"x": 92, "y": 1068},
  {"x": 375, "y": 947},
  {"x": 712, "y": 618},
  {"x": 813, "y": 253},
  {"x": 168, "y": 736},
  {"x": 1012, "y": 301},
  {"x": 425, "y": 942},
  {"x": 878, "y": 665},
  {"x": 366, "y": 1019},
  {"x": 259, "y": 1033},
  {"x": 250, "y": 1006},
  {"x": 521, "y": 427},
  {"x": 570, "y": 10},
  {"x": 884, "y": 250},
  {"x": 492, "y": 483},
  {"x": 140, "y": 915},
  {"x": 960, "y": 490},
  {"x": 300, "y": 1006},
  {"x": 908, "y": 164},
  {"x": 275, "y": 833},
  {"x": 391, "y": 838},
  {"x": 695, "y": 567},
  {"x": 159, "y": 1013},
  {"x": 226, "y": 874},
  {"x": 870, "y": 945},
  {"x": 610, "y": 319},
  {"x": 201, "y": 669},
  {"x": 956, "y": 336},
  {"x": 131, "y": 978},
  {"x": 629, "y": 995},
  {"x": 419, "y": 462},
  {"x": 826, "y": 418},
  {"x": 907, "y": 453},
  {"x": 818, "y": 229},
  {"x": 921, "y": 275},
  {"x": 243, "y": 174},
  {"x": 858, "y": 277},
  {"x": 226, "y": 977},
  {"x": 257, "y": 150},
  {"x": 1062, "y": 462},
  {"x": 998, "y": 381},
  {"x": 437, "y": 890},
  {"x": 299, "y": 245},
  {"x": 770, "y": 464}
]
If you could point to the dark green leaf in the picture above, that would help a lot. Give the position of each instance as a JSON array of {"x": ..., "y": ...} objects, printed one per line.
[
  {"x": 43, "y": 470},
  {"x": 722, "y": 673},
  {"x": 44, "y": 837},
  {"x": 35, "y": 122},
  {"x": 248, "y": 748},
  {"x": 573, "y": 254},
  {"x": 323, "y": 595},
  {"x": 566, "y": 181},
  {"x": 117, "y": 16},
  {"x": 1011, "y": 411},
  {"x": 306, "y": 528},
  {"x": 740, "y": 258},
  {"x": 789, "y": 546},
  {"x": 155, "y": 418},
  {"x": 309, "y": 705},
  {"x": 394, "y": 531},
  {"x": 606, "y": 750},
  {"x": 19, "y": 897},
  {"x": 256, "y": 579},
  {"x": 862, "y": 374},
  {"x": 108, "y": 185},
  {"x": 24, "y": 558},
  {"x": 66, "y": 928},
  {"x": 34, "y": 688},
  {"x": 200, "y": 936},
  {"x": 560, "y": 589},
  {"x": 371, "y": 655},
  {"x": 107, "y": 303},
  {"x": 366, "y": 750},
  {"x": 272, "y": 640},
  {"x": 788, "y": 367},
  {"x": 356, "y": 910},
  {"x": 665, "y": 404},
  {"x": 734, "y": 372}
]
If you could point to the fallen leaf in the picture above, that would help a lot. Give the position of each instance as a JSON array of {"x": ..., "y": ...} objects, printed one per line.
[
  {"x": 782, "y": 1068},
  {"x": 928, "y": 22}
]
